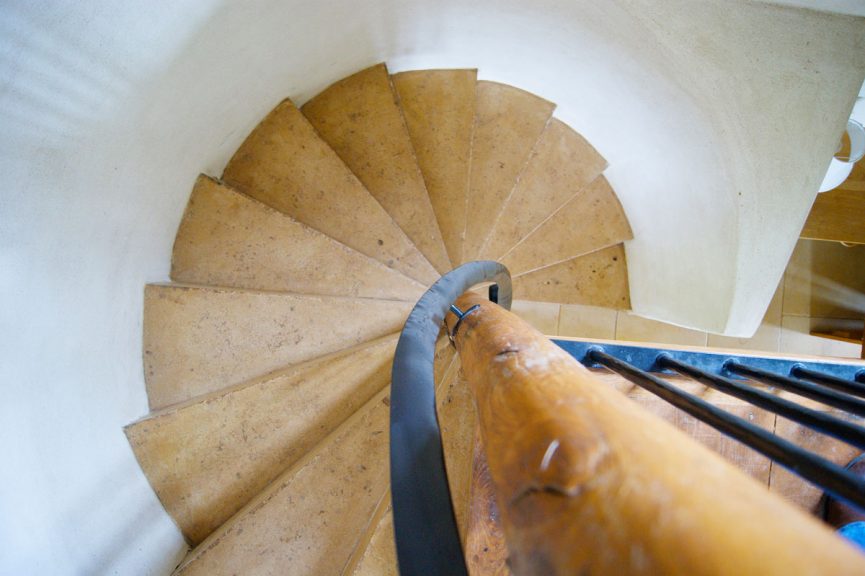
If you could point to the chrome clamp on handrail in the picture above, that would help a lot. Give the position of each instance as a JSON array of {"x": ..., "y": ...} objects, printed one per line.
[{"x": 427, "y": 540}]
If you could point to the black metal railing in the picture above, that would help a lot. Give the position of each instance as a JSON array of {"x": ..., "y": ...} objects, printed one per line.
[
  {"x": 725, "y": 372},
  {"x": 427, "y": 539}
]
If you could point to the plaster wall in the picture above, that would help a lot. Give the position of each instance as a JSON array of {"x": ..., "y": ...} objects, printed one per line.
[{"x": 109, "y": 110}]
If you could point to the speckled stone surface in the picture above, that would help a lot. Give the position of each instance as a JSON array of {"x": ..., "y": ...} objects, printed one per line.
[
  {"x": 439, "y": 110},
  {"x": 560, "y": 166},
  {"x": 508, "y": 123},
  {"x": 229, "y": 239},
  {"x": 201, "y": 339},
  {"x": 379, "y": 555},
  {"x": 286, "y": 165},
  {"x": 457, "y": 418},
  {"x": 596, "y": 279},
  {"x": 590, "y": 220},
  {"x": 310, "y": 519},
  {"x": 360, "y": 119},
  {"x": 207, "y": 458}
]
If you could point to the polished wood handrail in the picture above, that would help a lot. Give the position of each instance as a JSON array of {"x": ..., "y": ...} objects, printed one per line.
[{"x": 588, "y": 482}]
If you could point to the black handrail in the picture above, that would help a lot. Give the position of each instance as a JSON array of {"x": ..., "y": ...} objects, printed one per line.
[{"x": 427, "y": 540}]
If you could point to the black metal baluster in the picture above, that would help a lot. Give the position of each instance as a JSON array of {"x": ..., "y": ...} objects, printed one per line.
[
  {"x": 822, "y": 394},
  {"x": 820, "y": 421},
  {"x": 829, "y": 476}
]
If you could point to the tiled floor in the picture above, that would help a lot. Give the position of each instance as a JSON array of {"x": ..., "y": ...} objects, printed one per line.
[{"x": 824, "y": 277}]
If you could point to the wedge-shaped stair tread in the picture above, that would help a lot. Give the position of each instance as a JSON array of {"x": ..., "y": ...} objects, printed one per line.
[
  {"x": 360, "y": 119},
  {"x": 508, "y": 123},
  {"x": 201, "y": 339},
  {"x": 286, "y": 165},
  {"x": 439, "y": 110},
  {"x": 310, "y": 519},
  {"x": 596, "y": 279},
  {"x": 378, "y": 557},
  {"x": 229, "y": 239},
  {"x": 591, "y": 220},
  {"x": 561, "y": 164},
  {"x": 458, "y": 420},
  {"x": 375, "y": 553},
  {"x": 209, "y": 457}
]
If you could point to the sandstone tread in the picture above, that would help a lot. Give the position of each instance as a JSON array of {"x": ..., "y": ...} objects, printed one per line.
[
  {"x": 439, "y": 110},
  {"x": 200, "y": 339},
  {"x": 229, "y": 239},
  {"x": 359, "y": 118},
  {"x": 508, "y": 124},
  {"x": 286, "y": 165},
  {"x": 206, "y": 459}
]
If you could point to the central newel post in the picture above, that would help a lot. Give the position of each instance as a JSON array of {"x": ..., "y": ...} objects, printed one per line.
[{"x": 587, "y": 482}]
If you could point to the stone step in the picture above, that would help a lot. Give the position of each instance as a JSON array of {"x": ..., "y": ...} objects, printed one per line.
[
  {"x": 229, "y": 239},
  {"x": 596, "y": 279},
  {"x": 286, "y": 165},
  {"x": 208, "y": 457},
  {"x": 593, "y": 219},
  {"x": 359, "y": 118},
  {"x": 439, "y": 109},
  {"x": 561, "y": 165},
  {"x": 311, "y": 518},
  {"x": 201, "y": 339},
  {"x": 508, "y": 124}
]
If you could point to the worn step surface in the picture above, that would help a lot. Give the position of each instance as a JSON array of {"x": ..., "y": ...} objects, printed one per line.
[
  {"x": 200, "y": 339},
  {"x": 597, "y": 279},
  {"x": 457, "y": 419},
  {"x": 310, "y": 519},
  {"x": 593, "y": 219},
  {"x": 439, "y": 110},
  {"x": 209, "y": 457},
  {"x": 508, "y": 124},
  {"x": 286, "y": 165},
  {"x": 561, "y": 165},
  {"x": 229, "y": 239},
  {"x": 360, "y": 119},
  {"x": 378, "y": 556}
]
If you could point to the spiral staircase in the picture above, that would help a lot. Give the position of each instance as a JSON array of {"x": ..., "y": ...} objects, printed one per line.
[{"x": 267, "y": 359}]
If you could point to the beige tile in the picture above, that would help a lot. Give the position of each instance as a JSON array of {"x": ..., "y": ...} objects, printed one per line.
[
  {"x": 796, "y": 339},
  {"x": 311, "y": 517},
  {"x": 593, "y": 219},
  {"x": 508, "y": 123},
  {"x": 360, "y": 119},
  {"x": 439, "y": 110},
  {"x": 587, "y": 322},
  {"x": 561, "y": 164},
  {"x": 544, "y": 316},
  {"x": 596, "y": 279},
  {"x": 286, "y": 165},
  {"x": 208, "y": 459},
  {"x": 637, "y": 329},
  {"x": 767, "y": 338},
  {"x": 199, "y": 339},
  {"x": 229, "y": 239}
]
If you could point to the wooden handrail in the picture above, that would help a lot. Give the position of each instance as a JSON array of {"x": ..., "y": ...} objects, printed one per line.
[{"x": 588, "y": 482}]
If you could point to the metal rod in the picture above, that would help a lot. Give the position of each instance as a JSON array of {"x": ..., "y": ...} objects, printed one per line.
[
  {"x": 821, "y": 394},
  {"x": 427, "y": 541},
  {"x": 848, "y": 386},
  {"x": 820, "y": 421},
  {"x": 832, "y": 478}
]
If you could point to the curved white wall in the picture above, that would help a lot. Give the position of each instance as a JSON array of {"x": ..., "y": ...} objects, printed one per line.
[{"x": 109, "y": 112}]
